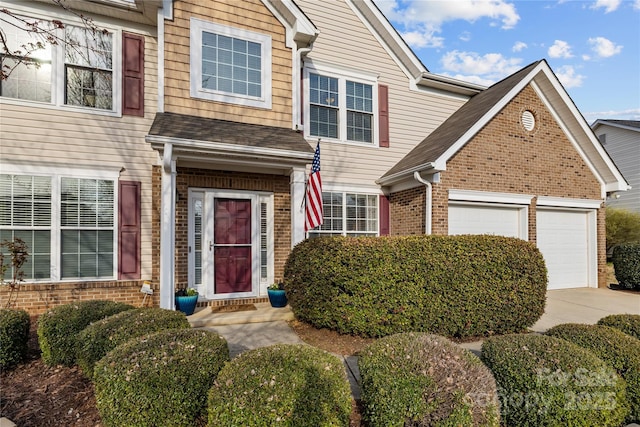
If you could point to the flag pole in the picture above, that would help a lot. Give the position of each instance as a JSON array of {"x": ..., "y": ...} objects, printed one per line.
[{"x": 306, "y": 184}]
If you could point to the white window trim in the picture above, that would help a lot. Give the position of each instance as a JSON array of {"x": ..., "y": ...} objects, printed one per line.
[
  {"x": 258, "y": 284},
  {"x": 344, "y": 190},
  {"x": 491, "y": 197},
  {"x": 198, "y": 26},
  {"x": 56, "y": 174},
  {"x": 57, "y": 68},
  {"x": 342, "y": 74}
]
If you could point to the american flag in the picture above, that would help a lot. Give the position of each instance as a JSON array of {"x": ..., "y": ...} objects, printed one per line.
[{"x": 314, "y": 194}]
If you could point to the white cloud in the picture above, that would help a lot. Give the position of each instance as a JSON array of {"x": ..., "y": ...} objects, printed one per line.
[
  {"x": 607, "y": 5},
  {"x": 482, "y": 69},
  {"x": 521, "y": 46},
  {"x": 568, "y": 76},
  {"x": 432, "y": 14},
  {"x": 420, "y": 39},
  {"x": 465, "y": 36},
  {"x": 560, "y": 49},
  {"x": 636, "y": 5},
  {"x": 604, "y": 48},
  {"x": 629, "y": 114}
]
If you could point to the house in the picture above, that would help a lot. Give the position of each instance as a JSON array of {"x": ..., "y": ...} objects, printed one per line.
[
  {"x": 247, "y": 89},
  {"x": 75, "y": 171},
  {"x": 621, "y": 140}
]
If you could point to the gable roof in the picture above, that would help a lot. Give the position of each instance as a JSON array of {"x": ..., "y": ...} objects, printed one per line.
[
  {"x": 633, "y": 125},
  {"x": 434, "y": 151}
]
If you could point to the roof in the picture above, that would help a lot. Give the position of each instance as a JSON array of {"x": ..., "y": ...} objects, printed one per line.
[
  {"x": 441, "y": 139},
  {"x": 442, "y": 144},
  {"x": 626, "y": 124},
  {"x": 200, "y": 136}
]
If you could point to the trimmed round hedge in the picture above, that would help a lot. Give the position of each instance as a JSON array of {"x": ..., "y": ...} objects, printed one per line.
[
  {"x": 627, "y": 323},
  {"x": 58, "y": 327},
  {"x": 14, "y": 335},
  {"x": 626, "y": 263},
  {"x": 420, "y": 379},
  {"x": 547, "y": 381},
  {"x": 456, "y": 286},
  {"x": 290, "y": 385},
  {"x": 159, "y": 379},
  {"x": 618, "y": 349},
  {"x": 97, "y": 339}
]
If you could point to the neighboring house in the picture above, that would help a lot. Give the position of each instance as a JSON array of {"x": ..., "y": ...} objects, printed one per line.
[
  {"x": 247, "y": 88},
  {"x": 621, "y": 139},
  {"x": 75, "y": 171}
]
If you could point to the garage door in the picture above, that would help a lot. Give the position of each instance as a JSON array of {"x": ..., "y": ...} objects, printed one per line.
[
  {"x": 563, "y": 239},
  {"x": 487, "y": 219}
]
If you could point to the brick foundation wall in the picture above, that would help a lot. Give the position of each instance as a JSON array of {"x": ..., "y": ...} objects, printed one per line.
[{"x": 38, "y": 298}]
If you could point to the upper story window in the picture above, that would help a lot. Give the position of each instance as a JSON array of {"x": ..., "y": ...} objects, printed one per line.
[
  {"x": 78, "y": 71},
  {"x": 230, "y": 64},
  {"x": 341, "y": 106}
]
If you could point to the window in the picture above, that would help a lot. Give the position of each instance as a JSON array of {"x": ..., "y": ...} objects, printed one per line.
[
  {"x": 230, "y": 65},
  {"x": 341, "y": 107},
  {"x": 68, "y": 224},
  {"x": 78, "y": 71},
  {"x": 348, "y": 214}
]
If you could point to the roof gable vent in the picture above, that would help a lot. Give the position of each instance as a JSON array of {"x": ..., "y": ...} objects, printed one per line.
[{"x": 528, "y": 120}]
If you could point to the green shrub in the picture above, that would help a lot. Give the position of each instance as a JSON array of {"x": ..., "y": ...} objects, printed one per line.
[
  {"x": 546, "y": 381},
  {"x": 97, "y": 339},
  {"x": 623, "y": 226},
  {"x": 285, "y": 385},
  {"x": 14, "y": 335},
  {"x": 455, "y": 286},
  {"x": 626, "y": 262},
  {"x": 58, "y": 327},
  {"x": 627, "y": 323},
  {"x": 616, "y": 348},
  {"x": 419, "y": 379},
  {"x": 159, "y": 379}
]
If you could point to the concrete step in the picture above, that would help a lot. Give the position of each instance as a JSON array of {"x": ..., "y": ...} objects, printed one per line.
[{"x": 264, "y": 313}]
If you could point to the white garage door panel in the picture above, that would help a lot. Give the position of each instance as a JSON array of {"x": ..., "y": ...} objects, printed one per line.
[
  {"x": 563, "y": 239},
  {"x": 469, "y": 219}
]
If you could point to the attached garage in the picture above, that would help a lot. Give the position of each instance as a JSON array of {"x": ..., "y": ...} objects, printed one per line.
[{"x": 568, "y": 241}]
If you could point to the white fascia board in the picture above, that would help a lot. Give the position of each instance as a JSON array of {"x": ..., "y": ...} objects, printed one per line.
[
  {"x": 198, "y": 146},
  {"x": 464, "y": 139},
  {"x": 296, "y": 23},
  {"x": 619, "y": 183},
  {"x": 399, "y": 176},
  {"x": 565, "y": 202},
  {"x": 490, "y": 197}
]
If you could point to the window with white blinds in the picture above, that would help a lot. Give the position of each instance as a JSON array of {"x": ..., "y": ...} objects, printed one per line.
[
  {"x": 25, "y": 213},
  {"x": 68, "y": 224}
]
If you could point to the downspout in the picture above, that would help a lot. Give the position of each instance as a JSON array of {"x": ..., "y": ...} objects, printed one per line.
[
  {"x": 160, "y": 30},
  {"x": 298, "y": 125},
  {"x": 428, "y": 205}
]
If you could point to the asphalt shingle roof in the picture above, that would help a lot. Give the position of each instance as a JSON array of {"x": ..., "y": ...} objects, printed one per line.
[{"x": 187, "y": 127}]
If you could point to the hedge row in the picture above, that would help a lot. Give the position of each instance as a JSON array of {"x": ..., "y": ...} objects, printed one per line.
[
  {"x": 616, "y": 348},
  {"x": 97, "y": 339},
  {"x": 159, "y": 379},
  {"x": 14, "y": 335},
  {"x": 547, "y": 381},
  {"x": 58, "y": 328},
  {"x": 627, "y": 323},
  {"x": 419, "y": 379},
  {"x": 455, "y": 286},
  {"x": 626, "y": 263},
  {"x": 286, "y": 385}
]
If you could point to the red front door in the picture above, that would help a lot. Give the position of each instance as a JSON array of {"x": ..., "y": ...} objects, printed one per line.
[{"x": 232, "y": 245}]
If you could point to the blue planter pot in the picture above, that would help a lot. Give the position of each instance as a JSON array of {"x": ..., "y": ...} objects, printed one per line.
[
  {"x": 187, "y": 305},
  {"x": 277, "y": 297}
]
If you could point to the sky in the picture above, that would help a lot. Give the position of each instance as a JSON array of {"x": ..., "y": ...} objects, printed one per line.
[{"x": 593, "y": 46}]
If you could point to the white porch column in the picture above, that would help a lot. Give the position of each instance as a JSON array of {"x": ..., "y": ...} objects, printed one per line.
[
  {"x": 167, "y": 231},
  {"x": 297, "y": 207}
]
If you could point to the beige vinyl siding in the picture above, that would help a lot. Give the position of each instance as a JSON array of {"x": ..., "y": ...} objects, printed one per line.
[
  {"x": 623, "y": 145},
  {"x": 345, "y": 41},
  {"x": 250, "y": 15},
  {"x": 56, "y": 137}
]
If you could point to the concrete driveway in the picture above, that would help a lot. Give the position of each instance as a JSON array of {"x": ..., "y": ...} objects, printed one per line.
[{"x": 585, "y": 305}]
